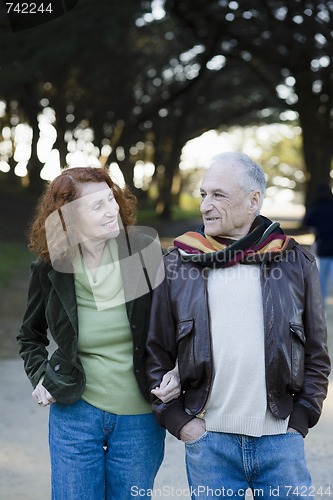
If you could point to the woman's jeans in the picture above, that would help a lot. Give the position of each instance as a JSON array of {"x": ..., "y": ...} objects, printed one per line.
[
  {"x": 221, "y": 465},
  {"x": 96, "y": 455}
]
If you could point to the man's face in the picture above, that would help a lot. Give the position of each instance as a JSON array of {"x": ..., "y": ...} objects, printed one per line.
[{"x": 227, "y": 208}]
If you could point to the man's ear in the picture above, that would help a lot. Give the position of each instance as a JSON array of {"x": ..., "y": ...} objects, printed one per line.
[{"x": 254, "y": 202}]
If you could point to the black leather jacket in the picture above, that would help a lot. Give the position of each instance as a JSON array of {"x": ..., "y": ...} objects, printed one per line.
[{"x": 296, "y": 357}]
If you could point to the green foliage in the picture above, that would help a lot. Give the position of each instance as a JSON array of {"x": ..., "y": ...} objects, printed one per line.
[
  {"x": 281, "y": 157},
  {"x": 188, "y": 208},
  {"x": 13, "y": 259}
]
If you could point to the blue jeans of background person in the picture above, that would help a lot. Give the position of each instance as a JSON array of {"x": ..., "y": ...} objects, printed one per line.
[
  {"x": 96, "y": 455},
  {"x": 325, "y": 273},
  {"x": 221, "y": 465}
]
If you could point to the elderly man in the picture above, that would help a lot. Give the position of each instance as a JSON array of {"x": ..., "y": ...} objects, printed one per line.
[{"x": 241, "y": 310}]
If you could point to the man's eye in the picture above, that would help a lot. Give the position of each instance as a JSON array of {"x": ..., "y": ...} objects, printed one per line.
[
  {"x": 202, "y": 195},
  {"x": 96, "y": 207},
  {"x": 218, "y": 195}
]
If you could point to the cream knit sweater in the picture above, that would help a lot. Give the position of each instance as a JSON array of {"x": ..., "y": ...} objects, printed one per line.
[{"x": 237, "y": 402}]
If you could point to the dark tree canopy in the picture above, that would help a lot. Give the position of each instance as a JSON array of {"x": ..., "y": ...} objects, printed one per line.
[
  {"x": 287, "y": 47},
  {"x": 146, "y": 85}
]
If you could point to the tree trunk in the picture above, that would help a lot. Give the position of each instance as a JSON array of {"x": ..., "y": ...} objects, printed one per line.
[
  {"x": 125, "y": 165},
  {"x": 317, "y": 144},
  {"x": 34, "y": 167},
  {"x": 10, "y": 180},
  {"x": 31, "y": 108},
  {"x": 169, "y": 156},
  {"x": 60, "y": 143}
]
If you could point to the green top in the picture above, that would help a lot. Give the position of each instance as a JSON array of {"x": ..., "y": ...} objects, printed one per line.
[{"x": 105, "y": 345}]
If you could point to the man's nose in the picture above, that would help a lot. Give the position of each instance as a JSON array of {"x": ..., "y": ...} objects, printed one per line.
[{"x": 206, "y": 205}]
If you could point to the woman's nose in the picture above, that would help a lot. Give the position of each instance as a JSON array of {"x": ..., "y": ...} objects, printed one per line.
[{"x": 112, "y": 207}]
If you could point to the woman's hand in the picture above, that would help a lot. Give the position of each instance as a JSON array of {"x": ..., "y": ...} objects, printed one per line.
[
  {"x": 170, "y": 386},
  {"x": 42, "y": 396}
]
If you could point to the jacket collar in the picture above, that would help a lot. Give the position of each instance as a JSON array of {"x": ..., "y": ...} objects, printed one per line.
[
  {"x": 63, "y": 284},
  {"x": 131, "y": 266}
]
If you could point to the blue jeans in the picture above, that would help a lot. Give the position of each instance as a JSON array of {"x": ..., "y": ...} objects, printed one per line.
[
  {"x": 225, "y": 465},
  {"x": 96, "y": 455},
  {"x": 325, "y": 273}
]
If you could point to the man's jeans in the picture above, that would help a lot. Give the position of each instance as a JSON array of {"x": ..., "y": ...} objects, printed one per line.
[
  {"x": 96, "y": 455},
  {"x": 221, "y": 465}
]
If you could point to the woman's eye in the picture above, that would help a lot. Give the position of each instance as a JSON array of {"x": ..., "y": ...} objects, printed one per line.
[{"x": 96, "y": 207}]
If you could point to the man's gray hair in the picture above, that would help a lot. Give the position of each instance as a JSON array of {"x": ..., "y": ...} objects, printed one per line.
[{"x": 253, "y": 178}]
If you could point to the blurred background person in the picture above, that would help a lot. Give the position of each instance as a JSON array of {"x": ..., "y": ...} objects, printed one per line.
[{"x": 319, "y": 217}]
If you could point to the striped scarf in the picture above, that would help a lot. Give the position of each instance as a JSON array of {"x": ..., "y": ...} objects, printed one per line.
[{"x": 263, "y": 242}]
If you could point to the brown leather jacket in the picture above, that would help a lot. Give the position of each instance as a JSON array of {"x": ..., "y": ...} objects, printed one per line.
[{"x": 296, "y": 357}]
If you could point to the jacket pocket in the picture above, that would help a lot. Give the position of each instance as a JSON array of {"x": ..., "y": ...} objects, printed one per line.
[
  {"x": 185, "y": 351},
  {"x": 298, "y": 339},
  {"x": 63, "y": 380},
  {"x": 196, "y": 440}
]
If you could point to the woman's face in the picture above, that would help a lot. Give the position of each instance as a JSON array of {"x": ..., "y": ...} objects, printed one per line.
[{"x": 96, "y": 213}]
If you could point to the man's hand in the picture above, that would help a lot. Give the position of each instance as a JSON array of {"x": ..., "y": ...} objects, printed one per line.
[
  {"x": 42, "y": 396},
  {"x": 193, "y": 429},
  {"x": 170, "y": 386},
  {"x": 292, "y": 430}
]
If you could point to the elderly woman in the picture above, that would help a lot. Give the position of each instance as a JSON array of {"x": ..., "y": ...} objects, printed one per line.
[{"x": 91, "y": 288}]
